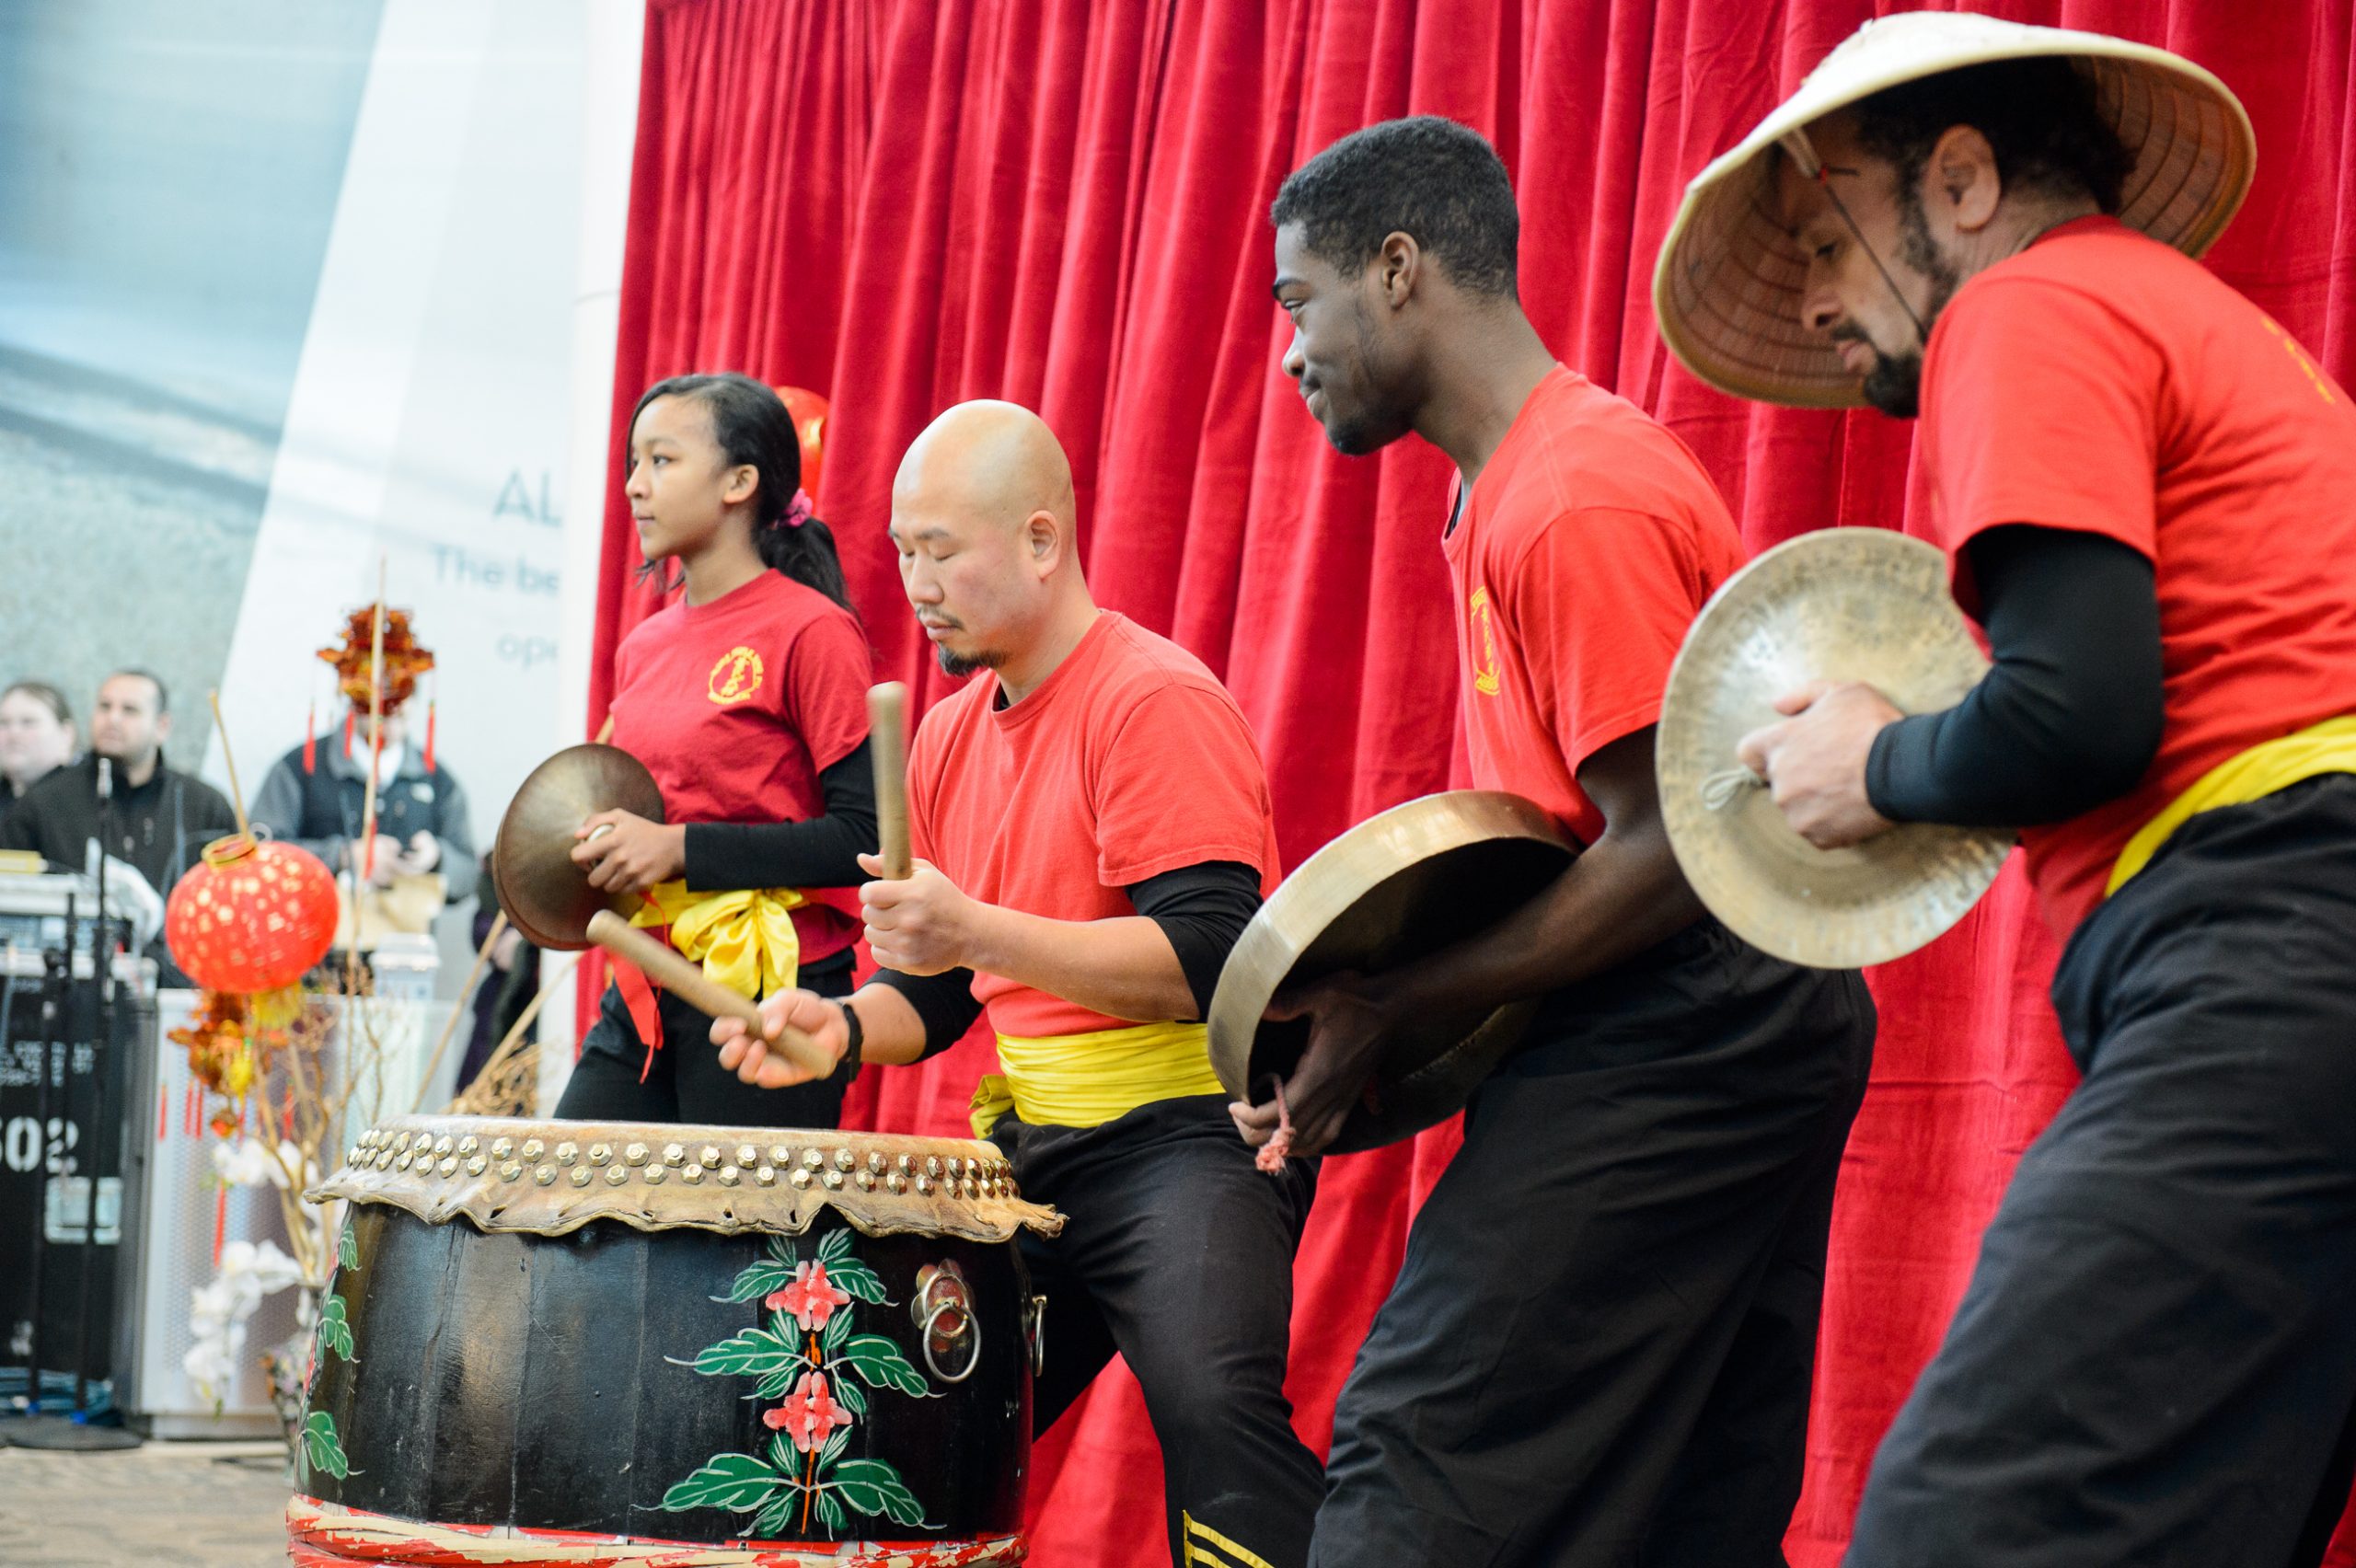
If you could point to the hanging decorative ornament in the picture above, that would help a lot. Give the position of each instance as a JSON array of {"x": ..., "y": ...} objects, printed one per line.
[
  {"x": 405, "y": 659},
  {"x": 809, "y": 412},
  {"x": 251, "y": 920}
]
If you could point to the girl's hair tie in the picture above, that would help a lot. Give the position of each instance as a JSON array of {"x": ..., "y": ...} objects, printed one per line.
[{"x": 797, "y": 511}]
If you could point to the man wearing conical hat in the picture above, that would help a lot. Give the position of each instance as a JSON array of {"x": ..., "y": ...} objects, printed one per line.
[{"x": 2147, "y": 492}]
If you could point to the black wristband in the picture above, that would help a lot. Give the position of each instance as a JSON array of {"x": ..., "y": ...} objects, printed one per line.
[{"x": 856, "y": 1032}]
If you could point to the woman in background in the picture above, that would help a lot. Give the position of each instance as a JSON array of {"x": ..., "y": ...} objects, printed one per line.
[
  {"x": 746, "y": 698},
  {"x": 35, "y": 737}
]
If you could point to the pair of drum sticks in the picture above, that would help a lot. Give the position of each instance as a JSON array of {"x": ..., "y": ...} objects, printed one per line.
[{"x": 887, "y": 729}]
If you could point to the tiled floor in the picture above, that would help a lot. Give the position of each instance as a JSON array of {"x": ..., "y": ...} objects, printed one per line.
[{"x": 169, "y": 1504}]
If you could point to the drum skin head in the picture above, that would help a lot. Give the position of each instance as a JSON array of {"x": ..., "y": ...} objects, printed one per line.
[
  {"x": 546, "y": 896},
  {"x": 1417, "y": 877},
  {"x": 1840, "y": 605}
]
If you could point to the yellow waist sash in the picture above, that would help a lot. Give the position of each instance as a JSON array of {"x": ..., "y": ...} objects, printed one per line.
[
  {"x": 1084, "y": 1080},
  {"x": 2327, "y": 747},
  {"x": 743, "y": 938}
]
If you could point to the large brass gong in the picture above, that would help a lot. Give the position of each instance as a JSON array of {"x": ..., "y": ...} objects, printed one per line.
[
  {"x": 1419, "y": 876},
  {"x": 1841, "y": 605}
]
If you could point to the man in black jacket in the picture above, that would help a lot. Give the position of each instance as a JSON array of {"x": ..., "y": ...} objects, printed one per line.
[{"x": 147, "y": 815}]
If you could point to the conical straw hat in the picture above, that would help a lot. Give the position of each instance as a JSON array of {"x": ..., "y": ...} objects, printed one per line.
[
  {"x": 1838, "y": 605},
  {"x": 1728, "y": 287}
]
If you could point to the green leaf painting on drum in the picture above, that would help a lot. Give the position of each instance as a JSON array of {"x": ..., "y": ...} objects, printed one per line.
[
  {"x": 335, "y": 1330},
  {"x": 347, "y": 1246},
  {"x": 805, "y": 1357},
  {"x": 322, "y": 1451}
]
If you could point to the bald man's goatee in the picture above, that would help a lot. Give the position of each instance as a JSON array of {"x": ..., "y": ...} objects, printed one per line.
[{"x": 959, "y": 665}]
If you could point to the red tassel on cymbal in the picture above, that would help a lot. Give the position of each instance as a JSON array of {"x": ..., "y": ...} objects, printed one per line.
[{"x": 310, "y": 739}]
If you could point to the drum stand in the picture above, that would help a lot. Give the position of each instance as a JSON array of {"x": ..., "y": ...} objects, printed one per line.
[{"x": 77, "y": 1430}]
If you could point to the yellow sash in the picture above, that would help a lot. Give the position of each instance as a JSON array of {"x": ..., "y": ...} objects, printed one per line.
[
  {"x": 743, "y": 938},
  {"x": 1083, "y": 1081},
  {"x": 2327, "y": 747}
]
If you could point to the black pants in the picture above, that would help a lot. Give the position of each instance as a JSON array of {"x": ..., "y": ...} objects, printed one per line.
[
  {"x": 1600, "y": 1346},
  {"x": 685, "y": 1082},
  {"x": 2156, "y": 1362},
  {"x": 1177, "y": 1253}
]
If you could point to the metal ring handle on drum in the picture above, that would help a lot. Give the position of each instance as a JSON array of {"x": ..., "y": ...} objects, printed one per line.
[{"x": 924, "y": 1339}]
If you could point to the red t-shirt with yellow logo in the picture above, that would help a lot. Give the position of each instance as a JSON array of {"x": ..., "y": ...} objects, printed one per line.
[
  {"x": 2102, "y": 381},
  {"x": 1587, "y": 546},
  {"x": 738, "y": 704},
  {"x": 1129, "y": 760}
]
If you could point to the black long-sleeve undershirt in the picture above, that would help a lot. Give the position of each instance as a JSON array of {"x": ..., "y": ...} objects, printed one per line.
[
  {"x": 1202, "y": 909},
  {"x": 822, "y": 851},
  {"x": 2070, "y": 716}
]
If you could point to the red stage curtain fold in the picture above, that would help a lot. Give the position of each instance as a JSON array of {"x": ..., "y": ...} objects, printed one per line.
[{"x": 1065, "y": 204}]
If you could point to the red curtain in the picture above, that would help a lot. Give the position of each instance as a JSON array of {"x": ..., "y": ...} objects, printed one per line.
[{"x": 1063, "y": 202}]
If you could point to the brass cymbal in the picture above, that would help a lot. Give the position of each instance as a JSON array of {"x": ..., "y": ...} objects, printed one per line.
[
  {"x": 1416, "y": 877},
  {"x": 1840, "y": 605},
  {"x": 546, "y": 896}
]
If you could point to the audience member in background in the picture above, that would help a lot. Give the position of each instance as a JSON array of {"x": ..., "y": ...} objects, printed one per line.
[
  {"x": 319, "y": 802},
  {"x": 152, "y": 820},
  {"x": 35, "y": 737},
  {"x": 508, "y": 982}
]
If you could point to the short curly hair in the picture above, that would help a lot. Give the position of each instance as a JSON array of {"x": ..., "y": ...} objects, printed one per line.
[{"x": 1430, "y": 177}]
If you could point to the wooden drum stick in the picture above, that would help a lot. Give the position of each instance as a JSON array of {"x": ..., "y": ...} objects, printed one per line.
[
  {"x": 685, "y": 979},
  {"x": 887, "y": 736}
]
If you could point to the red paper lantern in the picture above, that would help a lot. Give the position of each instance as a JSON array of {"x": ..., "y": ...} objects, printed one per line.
[
  {"x": 809, "y": 412},
  {"x": 254, "y": 917}
]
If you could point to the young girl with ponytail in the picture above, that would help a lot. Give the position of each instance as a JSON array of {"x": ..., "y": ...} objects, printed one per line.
[{"x": 747, "y": 701}]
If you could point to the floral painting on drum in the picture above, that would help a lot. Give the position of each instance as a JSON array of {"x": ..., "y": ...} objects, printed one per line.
[{"x": 807, "y": 1354}]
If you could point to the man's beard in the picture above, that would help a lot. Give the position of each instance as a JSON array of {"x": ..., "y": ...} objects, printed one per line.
[
  {"x": 957, "y": 666},
  {"x": 1895, "y": 384}
]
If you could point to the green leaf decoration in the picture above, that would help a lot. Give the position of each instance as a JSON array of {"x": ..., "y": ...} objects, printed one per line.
[
  {"x": 778, "y": 1517},
  {"x": 880, "y": 1364},
  {"x": 874, "y": 1487},
  {"x": 774, "y": 1385},
  {"x": 322, "y": 1451},
  {"x": 738, "y": 1483},
  {"x": 752, "y": 1353},
  {"x": 833, "y": 1248},
  {"x": 782, "y": 1456},
  {"x": 857, "y": 1281},
  {"x": 335, "y": 1331},
  {"x": 831, "y": 1337},
  {"x": 773, "y": 1272},
  {"x": 848, "y": 1394},
  {"x": 831, "y": 1515},
  {"x": 835, "y": 1446},
  {"x": 346, "y": 1247}
]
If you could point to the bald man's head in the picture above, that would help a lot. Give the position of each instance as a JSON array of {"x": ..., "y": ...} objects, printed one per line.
[{"x": 982, "y": 511}]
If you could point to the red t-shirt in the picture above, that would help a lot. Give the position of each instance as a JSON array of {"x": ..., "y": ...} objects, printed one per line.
[
  {"x": 1590, "y": 542},
  {"x": 2104, "y": 382},
  {"x": 1129, "y": 760},
  {"x": 735, "y": 705}
]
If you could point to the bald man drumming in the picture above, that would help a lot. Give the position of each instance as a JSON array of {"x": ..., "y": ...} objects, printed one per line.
[{"x": 1092, "y": 829}]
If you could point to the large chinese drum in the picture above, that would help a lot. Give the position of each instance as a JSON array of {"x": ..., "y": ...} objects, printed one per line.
[{"x": 600, "y": 1343}]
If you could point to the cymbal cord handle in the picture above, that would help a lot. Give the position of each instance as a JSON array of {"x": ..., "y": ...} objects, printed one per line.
[
  {"x": 1725, "y": 787},
  {"x": 685, "y": 979},
  {"x": 888, "y": 735}
]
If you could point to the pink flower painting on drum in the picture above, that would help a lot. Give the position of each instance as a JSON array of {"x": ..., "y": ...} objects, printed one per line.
[
  {"x": 809, "y": 1414},
  {"x": 811, "y": 1299}
]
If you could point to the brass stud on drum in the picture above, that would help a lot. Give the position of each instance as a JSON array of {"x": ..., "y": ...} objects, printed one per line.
[
  {"x": 655, "y": 1174},
  {"x": 709, "y": 1157},
  {"x": 444, "y": 1144},
  {"x": 924, "y": 1185},
  {"x": 932, "y": 1165},
  {"x": 449, "y": 1166},
  {"x": 476, "y": 1165},
  {"x": 567, "y": 1153},
  {"x": 845, "y": 1159},
  {"x": 508, "y": 1170},
  {"x": 533, "y": 1150},
  {"x": 765, "y": 1175},
  {"x": 501, "y": 1147},
  {"x": 674, "y": 1155},
  {"x": 634, "y": 1155},
  {"x": 402, "y": 1163},
  {"x": 875, "y": 1162},
  {"x": 545, "y": 1175},
  {"x": 691, "y": 1174},
  {"x": 813, "y": 1158},
  {"x": 600, "y": 1154},
  {"x": 730, "y": 1175},
  {"x": 896, "y": 1182},
  {"x": 468, "y": 1144},
  {"x": 833, "y": 1181},
  {"x": 780, "y": 1154},
  {"x": 748, "y": 1155},
  {"x": 582, "y": 1176},
  {"x": 615, "y": 1175},
  {"x": 866, "y": 1180},
  {"x": 401, "y": 1143}
]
